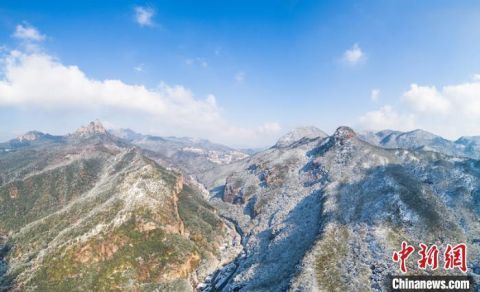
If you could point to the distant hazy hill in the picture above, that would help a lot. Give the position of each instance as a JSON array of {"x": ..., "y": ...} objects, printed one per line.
[
  {"x": 191, "y": 155},
  {"x": 423, "y": 140}
]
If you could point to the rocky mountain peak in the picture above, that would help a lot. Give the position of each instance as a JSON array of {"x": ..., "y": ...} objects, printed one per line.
[
  {"x": 30, "y": 136},
  {"x": 93, "y": 128},
  {"x": 299, "y": 133},
  {"x": 344, "y": 133}
]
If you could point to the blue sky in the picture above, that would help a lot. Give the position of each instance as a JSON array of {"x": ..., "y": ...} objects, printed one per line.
[{"x": 241, "y": 72}]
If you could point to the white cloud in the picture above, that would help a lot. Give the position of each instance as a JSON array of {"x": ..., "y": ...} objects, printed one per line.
[
  {"x": 27, "y": 32},
  {"x": 375, "y": 94},
  {"x": 354, "y": 55},
  {"x": 240, "y": 77},
  {"x": 426, "y": 99},
  {"x": 269, "y": 128},
  {"x": 139, "y": 68},
  {"x": 40, "y": 82},
  {"x": 450, "y": 111},
  {"x": 387, "y": 118},
  {"x": 144, "y": 15},
  {"x": 196, "y": 61}
]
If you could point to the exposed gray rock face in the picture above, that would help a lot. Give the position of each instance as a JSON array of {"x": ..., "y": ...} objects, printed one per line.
[
  {"x": 31, "y": 136},
  {"x": 327, "y": 213},
  {"x": 93, "y": 128}
]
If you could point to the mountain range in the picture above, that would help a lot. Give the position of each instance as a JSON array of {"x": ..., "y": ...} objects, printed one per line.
[
  {"x": 119, "y": 210},
  {"x": 191, "y": 155},
  {"x": 423, "y": 140}
]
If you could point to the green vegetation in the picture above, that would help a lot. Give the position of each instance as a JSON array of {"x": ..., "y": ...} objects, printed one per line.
[
  {"x": 200, "y": 220},
  {"x": 332, "y": 251},
  {"x": 139, "y": 254},
  {"x": 71, "y": 230},
  {"x": 125, "y": 257},
  {"x": 37, "y": 196}
]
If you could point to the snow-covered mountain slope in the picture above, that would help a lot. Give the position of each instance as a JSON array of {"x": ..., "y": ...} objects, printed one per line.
[
  {"x": 419, "y": 139},
  {"x": 191, "y": 155},
  {"x": 298, "y": 134},
  {"x": 470, "y": 146},
  {"x": 327, "y": 213}
]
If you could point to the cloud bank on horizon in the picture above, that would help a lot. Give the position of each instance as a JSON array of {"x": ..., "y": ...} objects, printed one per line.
[
  {"x": 37, "y": 80},
  {"x": 32, "y": 78},
  {"x": 450, "y": 111}
]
